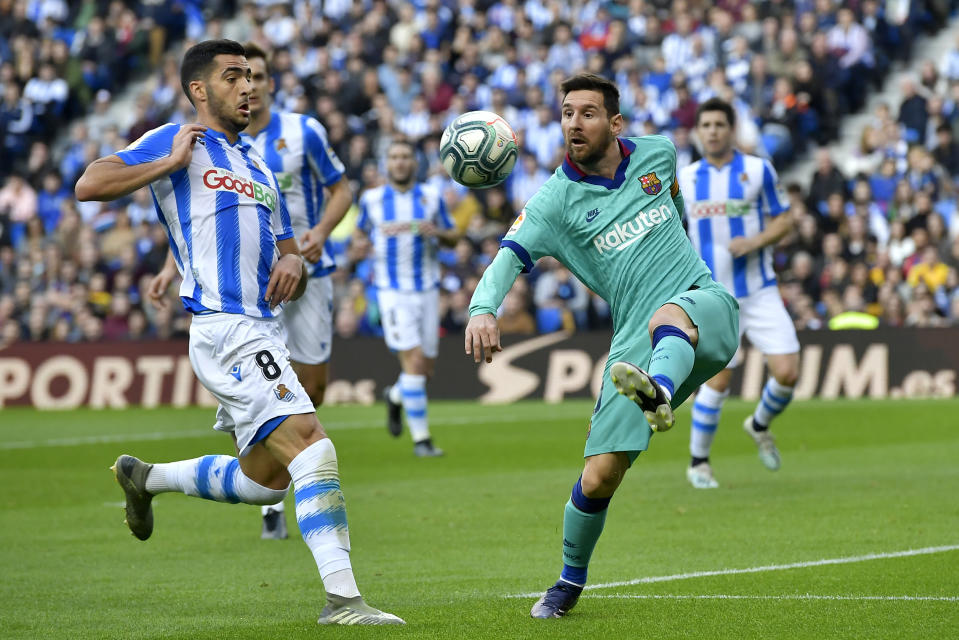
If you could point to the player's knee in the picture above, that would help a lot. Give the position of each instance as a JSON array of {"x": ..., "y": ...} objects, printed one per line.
[
  {"x": 786, "y": 371},
  {"x": 674, "y": 316},
  {"x": 601, "y": 482},
  {"x": 788, "y": 376}
]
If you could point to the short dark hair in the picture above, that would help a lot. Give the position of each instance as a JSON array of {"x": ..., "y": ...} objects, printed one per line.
[
  {"x": 717, "y": 104},
  {"x": 593, "y": 82},
  {"x": 402, "y": 141},
  {"x": 253, "y": 50},
  {"x": 198, "y": 59}
]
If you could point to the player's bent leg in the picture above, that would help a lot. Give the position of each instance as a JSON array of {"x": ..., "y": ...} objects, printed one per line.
[
  {"x": 300, "y": 444},
  {"x": 583, "y": 521},
  {"x": 214, "y": 477}
]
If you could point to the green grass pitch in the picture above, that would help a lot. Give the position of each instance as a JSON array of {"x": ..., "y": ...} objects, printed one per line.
[{"x": 445, "y": 542}]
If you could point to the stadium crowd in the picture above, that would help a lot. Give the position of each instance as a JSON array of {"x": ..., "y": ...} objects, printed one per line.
[{"x": 878, "y": 235}]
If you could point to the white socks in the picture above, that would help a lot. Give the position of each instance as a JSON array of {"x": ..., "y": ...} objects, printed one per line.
[
  {"x": 775, "y": 399},
  {"x": 413, "y": 388},
  {"x": 216, "y": 478},
  {"x": 321, "y": 515},
  {"x": 706, "y": 411}
]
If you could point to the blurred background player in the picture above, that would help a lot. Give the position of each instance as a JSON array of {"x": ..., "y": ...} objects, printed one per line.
[
  {"x": 230, "y": 234},
  {"x": 405, "y": 220},
  {"x": 296, "y": 149},
  {"x": 736, "y": 215}
]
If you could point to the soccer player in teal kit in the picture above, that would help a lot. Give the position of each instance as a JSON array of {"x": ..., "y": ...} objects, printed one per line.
[{"x": 612, "y": 213}]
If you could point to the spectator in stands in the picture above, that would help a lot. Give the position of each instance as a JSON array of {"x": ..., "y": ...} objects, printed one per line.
[
  {"x": 826, "y": 180},
  {"x": 913, "y": 114},
  {"x": 18, "y": 198}
]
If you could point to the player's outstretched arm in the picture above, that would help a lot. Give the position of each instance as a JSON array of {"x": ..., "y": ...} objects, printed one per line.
[
  {"x": 482, "y": 331},
  {"x": 109, "y": 177}
]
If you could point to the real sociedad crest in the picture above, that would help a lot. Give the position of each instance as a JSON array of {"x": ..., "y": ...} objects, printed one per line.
[{"x": 651, "y": 183}]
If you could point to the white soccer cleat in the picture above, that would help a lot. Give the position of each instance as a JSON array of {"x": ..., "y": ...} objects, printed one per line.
[
  {"x": 639, "y": 386},
  {"x": 768, "y": 453},
  {"x": 354, "y": 611},
  {"x": 701, "y": 476}
]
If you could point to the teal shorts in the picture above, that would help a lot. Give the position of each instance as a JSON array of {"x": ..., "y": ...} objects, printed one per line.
[{"x": 617, "y": 423}]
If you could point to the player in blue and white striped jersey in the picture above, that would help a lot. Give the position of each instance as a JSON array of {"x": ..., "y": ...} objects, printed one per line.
[
  {"x": 735, "y": 214},
  {"x": 231, "y": 237},
  {"x": 404, "y": 220}
]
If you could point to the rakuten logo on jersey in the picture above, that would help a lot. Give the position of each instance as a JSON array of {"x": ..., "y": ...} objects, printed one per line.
[
  {"x": 223, "y": 180},
  {"x": 620, "y": 235}
]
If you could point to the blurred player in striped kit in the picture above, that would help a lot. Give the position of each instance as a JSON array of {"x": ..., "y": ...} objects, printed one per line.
[
  {"x": 405, "y": 220},
  {"x": 233, "y": 243},
  {"x": 736, "y": 214}
]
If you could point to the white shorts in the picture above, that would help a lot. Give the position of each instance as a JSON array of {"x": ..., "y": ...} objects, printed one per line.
[
  {"x": 243, "y": 362},
  {"x": 765, "y": 321},
  {"x": 411, "y": 319},
  {"x": 309, "y": 323}
]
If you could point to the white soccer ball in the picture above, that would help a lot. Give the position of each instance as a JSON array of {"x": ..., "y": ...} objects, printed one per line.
[{"x": 478, "y": 149}]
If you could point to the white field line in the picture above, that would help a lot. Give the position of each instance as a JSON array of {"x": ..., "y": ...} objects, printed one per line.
[
  {"x": 804, "y": 596},
  {"x": 763, "y": 569},
  {"x": 333, "y": 427}
]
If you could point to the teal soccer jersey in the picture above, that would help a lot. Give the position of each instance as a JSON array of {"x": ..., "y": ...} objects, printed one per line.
[{"x": 624, "y": 239}]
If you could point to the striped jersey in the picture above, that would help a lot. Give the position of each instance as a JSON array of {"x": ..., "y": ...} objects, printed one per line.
[
  {"x": 223, "y": 216},
  {"x": 296, "y": 149},
  {"x": 725, "y": 203},
  {"x": 403, "y": 258}
]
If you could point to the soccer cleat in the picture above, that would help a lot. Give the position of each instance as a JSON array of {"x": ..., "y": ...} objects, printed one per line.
[
  {"x": 348, "y": 611},
  {"x": 425, "y": 449},
  {"x": 394, "y": 414},
  {"x": 557, "y": 601},
  {"x": 131, "y": 474},
  {"x": 639, "y": 386},
  {"x": 768, "y": 453},
  {"x": 274, "y": 525},
  {"x": 701, "y": 476}
]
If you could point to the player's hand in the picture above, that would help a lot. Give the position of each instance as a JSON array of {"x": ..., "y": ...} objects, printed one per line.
[
  {"x": 741, "y": 246},
  {"x": 311, "y": 245},
  {"x": 482, "y": 336},
  {"x": 183, "y": 142},
  {"x": 427, "y": 229},
  {"x": 284, "y": 279},
  {"x": 157, "y": 288}
]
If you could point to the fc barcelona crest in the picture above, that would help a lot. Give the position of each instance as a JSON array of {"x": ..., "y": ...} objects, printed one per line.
[{"x": 651, "y": 183}]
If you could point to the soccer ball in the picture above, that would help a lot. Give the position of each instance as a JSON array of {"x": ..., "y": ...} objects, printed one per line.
[{"x": 478, "y": 149}]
